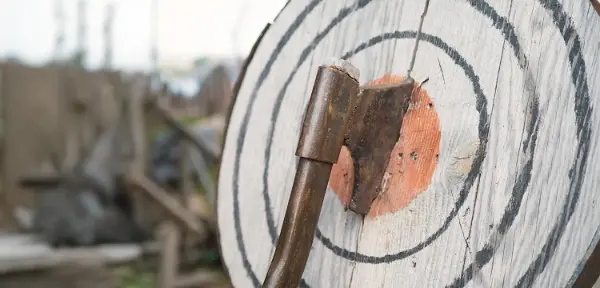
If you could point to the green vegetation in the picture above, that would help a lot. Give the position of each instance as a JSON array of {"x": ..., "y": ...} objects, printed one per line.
[
  {"x": 201, "y": 61},
  {"x": 135, "y": 277},
  {"x": 188, "y": 120}
]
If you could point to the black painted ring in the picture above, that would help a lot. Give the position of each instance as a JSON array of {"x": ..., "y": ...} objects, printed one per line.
[
  {"x": 582, "y": 120},
  {"x": 582, "y": 107},
  {"x": 481, "y": 107}
]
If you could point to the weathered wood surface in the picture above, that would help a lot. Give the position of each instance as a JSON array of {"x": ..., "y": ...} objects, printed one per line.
[
  {"x": 512, "y": 199},
  {"x": 170, "y": 203},
  {"x": 23, "y": 252},
  {"x": 147, "y": 211},
  {"x": 41, "y": 123},
  {"x": 214, "y": 95},
  {"x": 26, "y": 140},
  {"x": 169, "y": 264}
]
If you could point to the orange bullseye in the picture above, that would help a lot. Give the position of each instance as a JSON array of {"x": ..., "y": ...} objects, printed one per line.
[{"x": 412, "y": 161}]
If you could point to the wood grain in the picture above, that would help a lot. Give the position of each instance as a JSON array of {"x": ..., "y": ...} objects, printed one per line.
[{"x": 512, "y": 200}]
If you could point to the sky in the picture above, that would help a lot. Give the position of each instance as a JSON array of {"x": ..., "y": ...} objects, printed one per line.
[{"x": 186, "y": 29}]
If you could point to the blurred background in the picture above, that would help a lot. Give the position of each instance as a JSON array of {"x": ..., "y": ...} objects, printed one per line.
[
  {"x": 172, "y": 37},
  {"x": 112, "y": 116}
]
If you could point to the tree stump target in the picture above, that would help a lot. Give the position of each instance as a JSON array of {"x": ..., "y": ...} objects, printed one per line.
[{"x": 512, "y": 198}]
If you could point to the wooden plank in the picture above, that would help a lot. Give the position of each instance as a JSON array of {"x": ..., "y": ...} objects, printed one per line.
[
  {"x": 42, "y": 181},
  {"x": 32, "y": 130},
  {"x": 75, "y": 105},
  {"x": 19, "y": 253},
  {"x": 171, "y": 204},
  {"x": 137, "y": 121},
  {"x": 88, "y": 107},
  {"x": 510, "y": 201},
  {"x": 146, "y": 213}
]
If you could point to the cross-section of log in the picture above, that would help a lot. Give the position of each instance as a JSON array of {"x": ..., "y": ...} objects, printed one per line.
[{"x": 493, "y": 181}]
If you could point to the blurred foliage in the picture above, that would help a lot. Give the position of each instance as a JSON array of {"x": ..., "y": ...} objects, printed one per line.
[
  {"x": 212, "y": 170},
  {"x": 188, "y": 120},
  {"x": 201, "y": 61},
  {"x": 135, "y": 277}
]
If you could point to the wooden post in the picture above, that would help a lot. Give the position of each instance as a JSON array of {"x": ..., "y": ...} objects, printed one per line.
[
  {"x": 138, "y": 129},
  {"x": 144, "y": 213},
  {"x": 169, "y": 264},
  {"x": 492, "y": 181},
  {"x": 75, "y": 106},
  {"x": 4, "y": 218},
  {"x": 169, "y": 276}
]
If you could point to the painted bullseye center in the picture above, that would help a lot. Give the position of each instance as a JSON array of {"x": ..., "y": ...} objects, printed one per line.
[{"x": 412, "y": 161}]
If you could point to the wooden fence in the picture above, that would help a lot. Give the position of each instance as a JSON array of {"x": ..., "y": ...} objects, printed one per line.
[{"x": 50, "y": 117}]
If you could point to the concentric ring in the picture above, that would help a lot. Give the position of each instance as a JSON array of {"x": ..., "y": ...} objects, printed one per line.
[
  {"x": 481, "y": 107},
  {"x": 582, "y": 110}
]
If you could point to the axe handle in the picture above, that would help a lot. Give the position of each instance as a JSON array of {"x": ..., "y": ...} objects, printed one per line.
[{"x": 332, "y": 100}]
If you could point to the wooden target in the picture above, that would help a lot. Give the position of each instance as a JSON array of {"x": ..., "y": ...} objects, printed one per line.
[{"x": 494, "y": 184}]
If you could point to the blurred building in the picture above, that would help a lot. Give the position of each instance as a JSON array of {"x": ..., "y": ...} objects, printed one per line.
[{"x": 204, "y": 89}]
